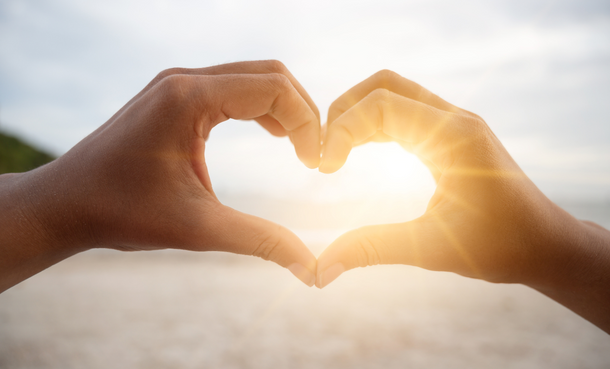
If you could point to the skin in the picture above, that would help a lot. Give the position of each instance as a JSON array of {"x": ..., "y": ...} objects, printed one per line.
[
  {"x": 139, "y": 182},
  {"x": 486, "y": 219}
]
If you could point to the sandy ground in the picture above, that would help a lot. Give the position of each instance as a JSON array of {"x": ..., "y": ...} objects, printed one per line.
[{"x": 169, "y": 309}]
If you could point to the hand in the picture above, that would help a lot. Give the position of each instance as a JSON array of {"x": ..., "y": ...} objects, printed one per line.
[
  {"x": 140, "y": 182},
  {"x": 486, "y": 218}
]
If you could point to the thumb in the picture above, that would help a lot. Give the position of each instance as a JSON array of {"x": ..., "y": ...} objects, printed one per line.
[
  {"x": 246, "y": 234},
  {"x": 401, "y": 243}
]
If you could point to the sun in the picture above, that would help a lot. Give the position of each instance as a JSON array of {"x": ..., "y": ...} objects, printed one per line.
[{"x": 386, "y": 169}]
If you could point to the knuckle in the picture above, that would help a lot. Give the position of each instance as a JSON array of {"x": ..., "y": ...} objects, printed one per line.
[
  {"x": 173, "y": 90},
  {"x": 276, "y": 66},
  {"x": 471, "y": 115},
  {"x": 268, "y": 245},
  {"x": 340, "y": 129},
  {"x": 423, "y": 94},
  {"x": 473, "y": 127},
  {"x": 337, "y": 108},
  {"x": 279, "y": 80},
  {"x": 168, "y": 72},
  {"x": 173, "y": 85},
  {"x": 385, "y": 76},
  {"x": 477, "y": 135},
  {"x": 379, "y": 94},
  {"x": 476, "y": 117}
]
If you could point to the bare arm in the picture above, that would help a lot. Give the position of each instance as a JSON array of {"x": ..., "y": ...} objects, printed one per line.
[
  {"x": 582, "y": 282},
  {"x": 140, "y": 182},
  {"x": 27, "y": 246}
]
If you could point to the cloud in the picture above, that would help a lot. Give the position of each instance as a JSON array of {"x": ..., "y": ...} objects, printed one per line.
[{"x": 533, "y": 69}]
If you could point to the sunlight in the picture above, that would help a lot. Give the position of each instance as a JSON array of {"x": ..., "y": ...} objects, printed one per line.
[
  {"x": 275, "y": 304},
  {"x": 385, "y": 169},
  {"x": 458, "y": 247},
  {"x": 379, "y": 183}
]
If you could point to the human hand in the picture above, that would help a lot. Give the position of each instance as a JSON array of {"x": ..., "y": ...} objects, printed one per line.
[
  {"x": 486, "y": 218},
  {"x": 140, "y": 182}
]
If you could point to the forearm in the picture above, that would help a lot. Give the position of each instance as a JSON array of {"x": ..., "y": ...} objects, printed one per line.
[
  {"x": 582, "y": 283},
  {"x": 27, "y": 244}
]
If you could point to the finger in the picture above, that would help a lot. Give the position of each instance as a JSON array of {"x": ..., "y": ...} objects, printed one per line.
[
  {"x": 249, "y": 235},
  {"x": 247, "y": 67},
  {"x": 258, "y": 67},
  {"x": 418, "y": 243},
  {"x": 405, "y": 120},
  {"x": 272, "y": 126},
  {"x": 250, "y": 96},
  {"x": 395, "y": 83}
]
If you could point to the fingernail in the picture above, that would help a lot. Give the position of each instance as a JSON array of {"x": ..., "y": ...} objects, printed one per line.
[
  {"x": 330, "y": 274},
  {"x": 302, "y": 273}
]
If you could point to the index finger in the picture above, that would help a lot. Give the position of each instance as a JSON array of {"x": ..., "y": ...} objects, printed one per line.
[
  {"x": 393, "y": 82},
  {"x": 245, "y": 67},
  {"x": 432, "y": 131},
  {"x": 257, "y": 67},
  {"x": 247, "y": 96}
]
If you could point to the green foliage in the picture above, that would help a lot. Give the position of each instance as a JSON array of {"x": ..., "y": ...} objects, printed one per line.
[{"x": 17, "y": 156}]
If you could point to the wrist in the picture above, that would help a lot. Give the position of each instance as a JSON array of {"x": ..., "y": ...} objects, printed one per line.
[
  {"x": 28, "y": 242},
  {"x": 561, "y": 252},
  {"x": 577, "y": 275},
  {"x": 49, "y": 206}
]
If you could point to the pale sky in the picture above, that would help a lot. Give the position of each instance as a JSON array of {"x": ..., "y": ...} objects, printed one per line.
[{"x": 537, "y": 71}]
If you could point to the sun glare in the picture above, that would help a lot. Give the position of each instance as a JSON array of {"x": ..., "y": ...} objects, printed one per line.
[
  {"x": 379, "y": 183},
  {"x": 386, "y": 170}
]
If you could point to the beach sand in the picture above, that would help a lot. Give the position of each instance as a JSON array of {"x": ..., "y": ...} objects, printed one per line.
[
  {"x": 174, "y": 309},
  {"x": 171, "y": 309}
]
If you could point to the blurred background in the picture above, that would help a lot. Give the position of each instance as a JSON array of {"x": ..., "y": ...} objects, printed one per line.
[{"x": 537, "y": 71}]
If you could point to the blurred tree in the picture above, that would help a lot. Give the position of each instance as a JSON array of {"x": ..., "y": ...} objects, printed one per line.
[{"x": 17, "y": 156}]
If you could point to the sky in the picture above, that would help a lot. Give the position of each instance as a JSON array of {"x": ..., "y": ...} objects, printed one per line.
[{"x": 537, "y": 71}]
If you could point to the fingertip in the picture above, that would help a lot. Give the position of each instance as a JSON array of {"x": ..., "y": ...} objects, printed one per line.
[
  {"x": 311, "y": 162},
  {"x": 328, "y": 165},
  {"x": 325, "y": 165},
  {"x": 325, "y": 277},
  {"x": 331, "y": 263},
  {"x": 337, "y": 258},
  {"x": 307, "y": 146},
  {"x": 326, "y": 168},
  {"x": 334, "y": 154},
  {"x": 300, "y": 261},
  {"x": 303, "y": 274}
]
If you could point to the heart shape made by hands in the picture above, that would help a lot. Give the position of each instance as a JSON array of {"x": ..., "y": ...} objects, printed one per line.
[{"x": 471, "y": 169}]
